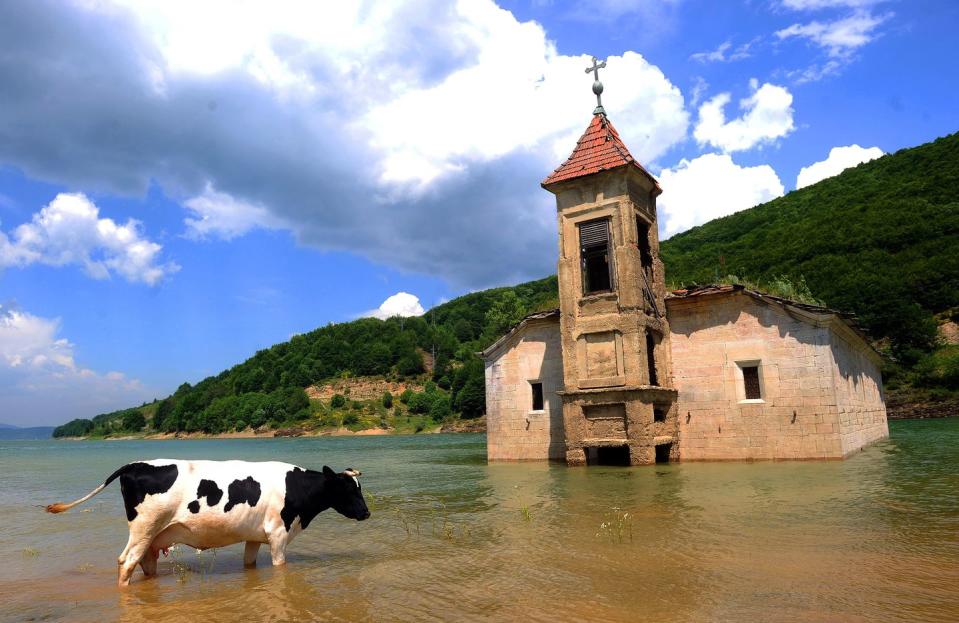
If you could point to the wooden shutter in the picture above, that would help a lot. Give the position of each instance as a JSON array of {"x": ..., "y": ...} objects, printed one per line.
[{"x": 594, "y": 234}]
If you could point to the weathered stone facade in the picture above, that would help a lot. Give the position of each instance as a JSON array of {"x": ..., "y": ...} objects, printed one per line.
[
  {"x": 623, "y": 374},
  {"x": 820, "y": 384},
  {"x": 515, "y": 431}
]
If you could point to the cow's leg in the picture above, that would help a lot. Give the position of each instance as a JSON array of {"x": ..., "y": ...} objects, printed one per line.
[
  {"x": 249, "y": 554},
  {"x": 278, "y": 542},
  {"x": 135, "y": 553},
  {"x": 142, "y": 533},
  {"x": 149, "y": 562}
]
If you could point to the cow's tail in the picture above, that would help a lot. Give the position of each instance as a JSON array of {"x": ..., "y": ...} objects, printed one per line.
[{"x": 60, "y": 507}]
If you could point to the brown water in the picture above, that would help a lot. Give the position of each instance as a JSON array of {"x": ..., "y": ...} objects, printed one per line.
[{"x": 873, "y": 538}]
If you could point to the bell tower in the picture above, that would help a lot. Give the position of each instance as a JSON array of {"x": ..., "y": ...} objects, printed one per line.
[{"x": 618, "y": 400}]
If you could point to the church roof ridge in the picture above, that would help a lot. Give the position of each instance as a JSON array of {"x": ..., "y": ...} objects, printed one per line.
[{"x": 600, "y": 148}]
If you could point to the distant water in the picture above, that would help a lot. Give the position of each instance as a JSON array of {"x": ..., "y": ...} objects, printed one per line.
[{"x": 873, "y": 538}]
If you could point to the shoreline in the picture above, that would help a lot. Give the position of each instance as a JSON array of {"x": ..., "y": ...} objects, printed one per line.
[{"x": 457, "y": 427}]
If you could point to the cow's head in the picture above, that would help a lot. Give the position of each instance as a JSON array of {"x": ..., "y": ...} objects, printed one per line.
[{"x": 344, "y": 493}]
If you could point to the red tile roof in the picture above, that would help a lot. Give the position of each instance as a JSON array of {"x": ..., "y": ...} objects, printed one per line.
[{"x": 598, "y": 149}]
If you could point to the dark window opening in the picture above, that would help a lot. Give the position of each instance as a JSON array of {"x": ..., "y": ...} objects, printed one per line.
[
  {"x": 537, "y": 396},
  {"x": 645, "y": 251},
  {"x": 659, "y": 413},
  {"x": 651, "y": 358},
  {"x": 751, "y": 382},
  {"x": 662, "y": 452},
  {"x": 595, "y": 255},
  {"x": 608, "y": 455}
]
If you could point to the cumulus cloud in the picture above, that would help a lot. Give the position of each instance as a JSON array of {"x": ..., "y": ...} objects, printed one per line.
[
  {"x": 401, "y": 304},
  {"x": 840, "y": 38},
  {"x": 414, "y": 134},
  {"x": 767, "y": 116},
  {"x": 69, "y": 230},
  {"x": 711, "y": 186},
  {"x": 40, "y": 381},
  {"x": 222, "y": 216},
  {"x": 839, "y": 159}
]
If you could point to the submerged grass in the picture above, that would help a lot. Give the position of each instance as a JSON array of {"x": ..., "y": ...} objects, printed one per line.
[
  {"x": 617, "y": 526},
  {"x": 182, "y": 569}
]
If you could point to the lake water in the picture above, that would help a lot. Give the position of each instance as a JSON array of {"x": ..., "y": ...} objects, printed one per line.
[{"x": 872, "y": 538}]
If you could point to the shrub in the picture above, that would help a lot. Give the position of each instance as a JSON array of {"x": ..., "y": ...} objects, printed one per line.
[
  {"x": 440, "y": 409},
  {"x": 338, "y": 401},
  {"x": 406, "y": 395},
  {"x": 420, "y": 402},
  {"x": 388, "y": 400},
  {"x": 133, "y": 420}
]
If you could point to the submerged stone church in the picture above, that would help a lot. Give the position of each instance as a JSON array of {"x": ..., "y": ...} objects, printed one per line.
[{"x": 625, "y": 372}]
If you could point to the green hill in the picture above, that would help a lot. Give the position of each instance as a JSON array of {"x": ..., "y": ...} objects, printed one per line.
[{"x": 880, "y": 240}]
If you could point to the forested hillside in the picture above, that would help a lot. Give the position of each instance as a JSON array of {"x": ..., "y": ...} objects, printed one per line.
[
  {"x": 880, "y": 240},
  {"x": 268, "y": 388}
]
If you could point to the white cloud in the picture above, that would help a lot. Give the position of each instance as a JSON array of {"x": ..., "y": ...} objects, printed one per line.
[
  {"x": 40, "y": 381},
  {"x": 768, "y": 115},
  {"x": 222, "y": 216},
  {"x": 426, "y": 133},
  {"x": 406, "y": 132},
  {"x": 840, "y": 38},
  {"x": 711, "y": 186},
  {"x": 720, "y": 54},
  {"x": 839, "y": 159},
  {"x": 400, "y": 304},
  {"x": 812, "y": 5},
  {"x": 69, "y": 230}
]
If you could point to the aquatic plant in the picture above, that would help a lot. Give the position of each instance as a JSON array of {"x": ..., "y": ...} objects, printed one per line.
[
  {"x": 617, "y": 526},
  {"x": 182, "y": 570},
  {"x": 30, "y": 552},
  {"x": 527, "y": 516}
]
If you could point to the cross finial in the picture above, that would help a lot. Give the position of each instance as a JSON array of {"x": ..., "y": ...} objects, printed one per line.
[{"x": 597, "y": 85}]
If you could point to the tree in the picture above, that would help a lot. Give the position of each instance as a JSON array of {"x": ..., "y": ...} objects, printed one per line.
[
  {"x": 440, "y": 409},
  {"x": 388, "y": 400},
  {"x": 409, "y": 364},
  {"x": 504, "y": 313},
  {"x": 133, "y": 420},
  {"x": 421, "y": 402},
  {"x": 471, "y": 400}
]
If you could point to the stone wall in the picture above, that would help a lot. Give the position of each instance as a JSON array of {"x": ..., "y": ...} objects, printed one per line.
[
  {"x": 857, "y": 379},
  {"x": 796, "y": 417},
  {"x": 514, "y": 430}
]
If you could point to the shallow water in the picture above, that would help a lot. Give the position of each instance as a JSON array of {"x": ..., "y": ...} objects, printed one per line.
[{"x": 872, "y": 538}]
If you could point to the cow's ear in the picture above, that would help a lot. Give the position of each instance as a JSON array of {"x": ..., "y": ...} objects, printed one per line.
[{"x": 329, "y": 473}]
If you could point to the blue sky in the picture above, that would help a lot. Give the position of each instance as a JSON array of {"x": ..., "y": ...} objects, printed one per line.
[{"x": 182, "y": 184}]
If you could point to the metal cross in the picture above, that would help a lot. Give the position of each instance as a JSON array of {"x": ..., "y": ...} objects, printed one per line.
[{"x": 597, "y": 85}]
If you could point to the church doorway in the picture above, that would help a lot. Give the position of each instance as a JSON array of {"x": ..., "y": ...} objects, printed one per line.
[
  {"x": 608, "y": 455},
  {"x": 662, "y": 452}
]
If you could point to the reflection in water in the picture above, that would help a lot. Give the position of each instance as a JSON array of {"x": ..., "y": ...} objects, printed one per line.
[{"x": 875, "y": 537}]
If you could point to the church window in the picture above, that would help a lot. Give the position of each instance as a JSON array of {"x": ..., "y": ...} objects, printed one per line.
[
  {"x": 751, "y": 382},
  {"x": 651, "y": 358},
  {"x": 595, "y": 256},
  {"x": 645, "y": 251},
  {"x": 659, "y": 413},
  {"x": 537, "y": 396}
]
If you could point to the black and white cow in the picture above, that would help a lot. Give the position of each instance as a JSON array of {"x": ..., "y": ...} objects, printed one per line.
[{"x": 207, "y": 504}]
